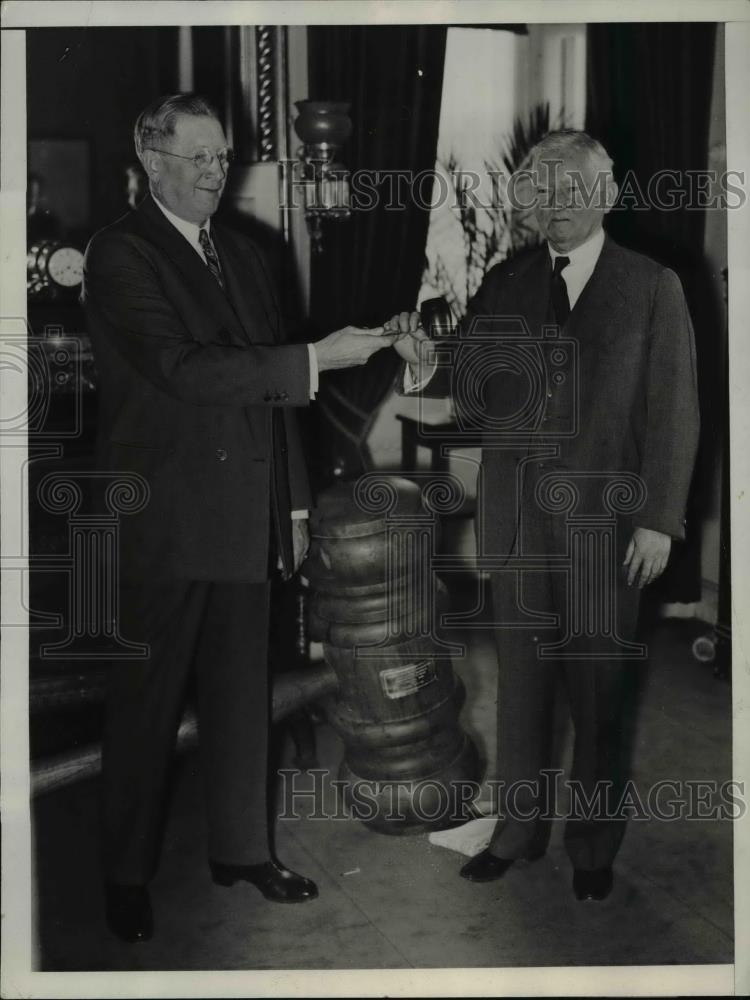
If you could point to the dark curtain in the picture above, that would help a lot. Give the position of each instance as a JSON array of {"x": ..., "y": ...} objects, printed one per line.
[
  {"x": 209, "y": 65},
  {"x": 648, "y": 99},
  {"x": 372, "y": 263},
  {"x": 649, "y": 89}
]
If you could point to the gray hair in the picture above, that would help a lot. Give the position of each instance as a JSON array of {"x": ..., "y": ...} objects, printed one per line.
[
  {"x": 560, "y": 144},
  {"x": 156, "y": 123}
]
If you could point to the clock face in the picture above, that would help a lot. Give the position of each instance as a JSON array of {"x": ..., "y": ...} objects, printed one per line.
[{"x": 65, "y": 266}]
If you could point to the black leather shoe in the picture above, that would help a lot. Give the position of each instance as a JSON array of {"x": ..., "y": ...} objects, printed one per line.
[
  {"x": 128, "y": 909},
  {"x": 486, "y": 867},
  {"x": 595, "y": 884},
  {"x": 274, "y": 881}
]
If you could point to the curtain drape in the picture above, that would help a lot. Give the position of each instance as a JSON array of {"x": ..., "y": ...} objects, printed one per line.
[
  {"x": 649, "y": 90},
  {"x": 372, "y": 264}
]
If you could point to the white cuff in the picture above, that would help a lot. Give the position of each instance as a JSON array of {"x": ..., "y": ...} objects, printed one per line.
[
  {"x": 300, "y": 515},
  {"x": 314, "y": 374},
  {"x": 411, "y": 384}
]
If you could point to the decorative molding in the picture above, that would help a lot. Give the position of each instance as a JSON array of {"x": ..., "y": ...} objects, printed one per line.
[{"x": 267, "y": 57}]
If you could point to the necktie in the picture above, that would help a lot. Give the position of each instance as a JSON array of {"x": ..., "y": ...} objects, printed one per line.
[
  {"x": 212, "y": 261},
  {"x": 560, "y": 300}
]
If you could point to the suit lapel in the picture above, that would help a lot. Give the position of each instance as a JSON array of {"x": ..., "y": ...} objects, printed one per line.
[
  {"x": 602, "y": 299},
  {"x": 248, "y": 287},
  {"x": 157, "y": 228},
  {"x": 530, "y": 294}
]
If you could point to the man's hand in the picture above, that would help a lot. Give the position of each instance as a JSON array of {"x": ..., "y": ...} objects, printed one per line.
[
  {"x": 300, "y": 541},
  {"x": 413, "y": 344},
  {"x": 351, "y": 346},
  {"x": 646, "y": 556}
]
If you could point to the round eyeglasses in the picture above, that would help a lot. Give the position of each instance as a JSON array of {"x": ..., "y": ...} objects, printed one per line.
[{"x": 203, "y": 157}]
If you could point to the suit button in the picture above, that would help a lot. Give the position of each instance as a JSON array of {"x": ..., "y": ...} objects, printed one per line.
[
  {"x": 267, "y": 398},
  {"x": 221, "y": 454}
]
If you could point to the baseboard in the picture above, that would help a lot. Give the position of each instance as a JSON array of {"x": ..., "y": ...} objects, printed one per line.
[{"x": 707, "y": 609}]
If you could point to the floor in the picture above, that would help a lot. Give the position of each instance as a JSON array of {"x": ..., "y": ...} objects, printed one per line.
[{"x": 397, "y": 901}]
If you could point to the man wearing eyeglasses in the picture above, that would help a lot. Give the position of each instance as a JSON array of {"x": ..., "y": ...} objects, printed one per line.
[{"x": 196, "y": 396}]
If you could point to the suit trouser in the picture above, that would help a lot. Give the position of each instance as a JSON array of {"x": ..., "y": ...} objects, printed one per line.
[
  {"x": 596, "y": 690},
  {"x": 218, "y": 631}
]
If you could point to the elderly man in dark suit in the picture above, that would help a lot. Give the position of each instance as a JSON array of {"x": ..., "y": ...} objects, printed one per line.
[
  {"x": 196, "y": 393},
  {"x": 606, "y": 435}
]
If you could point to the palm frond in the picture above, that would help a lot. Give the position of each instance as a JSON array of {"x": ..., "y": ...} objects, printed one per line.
[{"x": 492, "y": 231}]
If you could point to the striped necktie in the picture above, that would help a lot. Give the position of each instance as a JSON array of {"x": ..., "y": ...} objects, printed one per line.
[{"x": 212, "y": 261}]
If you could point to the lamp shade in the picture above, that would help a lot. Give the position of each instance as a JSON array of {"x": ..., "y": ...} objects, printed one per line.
[{"x": 323, "y": 122}]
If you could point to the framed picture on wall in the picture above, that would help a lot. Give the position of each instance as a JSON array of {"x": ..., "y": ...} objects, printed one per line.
[{"x": 59, "y": 173}]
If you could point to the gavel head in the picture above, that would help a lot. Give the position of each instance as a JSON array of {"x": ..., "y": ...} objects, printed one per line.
[{"x": 437, "y": 318}]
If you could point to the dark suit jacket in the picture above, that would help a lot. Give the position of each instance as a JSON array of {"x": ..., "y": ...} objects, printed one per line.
[
  {"x": 621, "y": 397},
  {"x": 188, "y": 379}
]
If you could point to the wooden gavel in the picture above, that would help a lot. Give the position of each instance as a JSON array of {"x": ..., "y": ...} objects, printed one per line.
[{"x": 437, "y": 318}]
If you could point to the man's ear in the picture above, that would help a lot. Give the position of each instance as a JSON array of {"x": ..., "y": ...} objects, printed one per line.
[
  {"x": 611, "y": 195},
  {"x": 151, "y": 163}
]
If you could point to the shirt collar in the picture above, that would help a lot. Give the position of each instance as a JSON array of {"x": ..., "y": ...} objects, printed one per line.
[
  {"x": 188, "y": 229},
  {"x": 585, "y": 254}
]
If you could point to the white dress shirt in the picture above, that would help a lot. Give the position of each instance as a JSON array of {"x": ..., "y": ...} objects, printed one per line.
[
  {"x": 189, "y": 230},
  {"x": 582, "y": 263},
  {"x": 575, "y": 274}
]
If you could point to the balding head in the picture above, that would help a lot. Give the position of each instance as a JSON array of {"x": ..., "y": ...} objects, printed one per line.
[{"x": 156, "y": 124}]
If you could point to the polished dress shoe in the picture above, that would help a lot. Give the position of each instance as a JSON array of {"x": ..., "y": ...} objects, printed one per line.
[
  {"x": 128, "y": 909},
  {"x": 595, "y": 884},
  {"x": 486, "y": 867},
  {"x": 274, "y": 881}
]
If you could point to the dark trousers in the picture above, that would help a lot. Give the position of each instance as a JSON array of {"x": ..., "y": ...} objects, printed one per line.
[
  {"x": 219, "y": 632},
  {"x": 527, "y": 687}
]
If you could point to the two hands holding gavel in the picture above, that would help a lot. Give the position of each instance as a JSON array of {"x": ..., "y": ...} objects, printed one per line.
[{"x": 355, "y": 345}]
